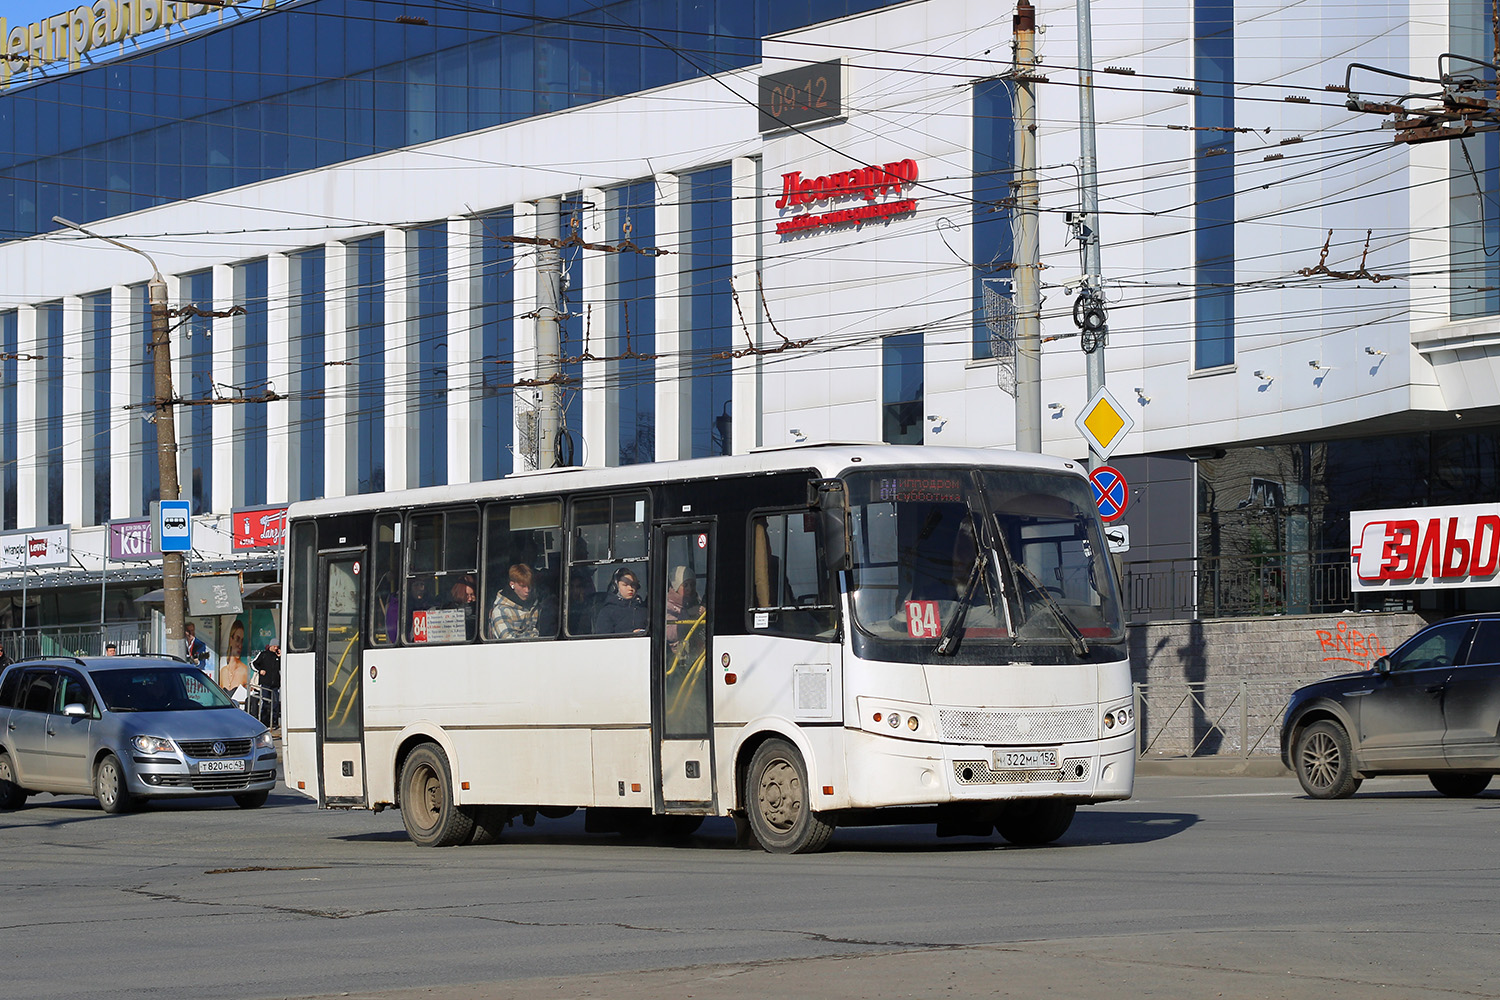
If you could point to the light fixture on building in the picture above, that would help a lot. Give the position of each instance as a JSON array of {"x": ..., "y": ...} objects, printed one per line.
[
  {"x": 1262, "y": 375},
  {"x": 1141, "y": 395},
  {"x": 1375, "y": 351},
  {"x": 937, "y": 422},
  {"x": 1318, "y": 365},
  {"x": 1056, "y": 406},
  {"x": 797, "y": 435}
]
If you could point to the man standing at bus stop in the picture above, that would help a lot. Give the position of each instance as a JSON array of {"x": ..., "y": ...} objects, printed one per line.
[{"x": 267, "y": 664}]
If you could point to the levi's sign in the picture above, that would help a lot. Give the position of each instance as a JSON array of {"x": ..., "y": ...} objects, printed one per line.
[
  {"x": 870, "y": 184},
  {"x": 1424, "y": 548}
]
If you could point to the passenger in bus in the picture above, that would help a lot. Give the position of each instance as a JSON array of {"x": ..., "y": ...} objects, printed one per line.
[
  {"x": 583, "y": 602},
  {"x": 513, "y": 614},
  {"x": 623, "y": 610},
  {"x": 683, "y": 604},
  {"x": 461, "y": 596}
]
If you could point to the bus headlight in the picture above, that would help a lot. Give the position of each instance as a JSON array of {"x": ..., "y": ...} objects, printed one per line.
[
  {"x": 912, "y": 723},
  {"x": 1117, "y": 719}
]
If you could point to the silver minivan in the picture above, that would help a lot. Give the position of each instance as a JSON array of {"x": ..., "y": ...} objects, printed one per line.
[{"x": 125, "y": 729}]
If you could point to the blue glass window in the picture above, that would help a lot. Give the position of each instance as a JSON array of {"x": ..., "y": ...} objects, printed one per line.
[
  {"x": 573, "y": 345},
  {"x": 1213, "y": 175},
  {"x": 96, "y": 332},
  {"x": 630, "y": 317},
  {"x": 368, "y": 336},
  {"x": 253, "y": 373},
  {"x": 149, "y": 459},
  {"x": 496, "y": 324},
  {"x": 10, "y": 330},
  {"x": 297, "y": 88},
  {"x": 49, "y": 320},
  {"x": 195, "y": 340},
  {"x": 707, "y": 309},
  {"x": 430, "y": 295},
  {"x": 1474, "y": 190},
  {"x": 901, "y": 363},
  {"x": 994, "y": 161},
  {"x": 308, "y": 380}
]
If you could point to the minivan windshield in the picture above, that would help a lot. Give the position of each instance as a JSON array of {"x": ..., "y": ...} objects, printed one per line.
[
  {"x": 987, "y": 555},
  {"x": 163, "y": 688}
]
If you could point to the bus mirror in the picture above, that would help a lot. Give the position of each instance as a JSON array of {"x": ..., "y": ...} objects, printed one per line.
[{"x": 829, "y": 498}]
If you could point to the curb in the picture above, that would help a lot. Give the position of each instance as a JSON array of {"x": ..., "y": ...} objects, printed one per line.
[{"x": 1253, "y": 767}]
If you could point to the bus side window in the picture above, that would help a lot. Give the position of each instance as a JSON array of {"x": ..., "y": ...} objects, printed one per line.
[
  {"x": 302, "y": 594},
  {"x": 519, "y": 586},
  {"x": 385, "y": 609},
  {"x": 609, "y": 534},
  {"x": 442, "y": 556},
  {"x": 791, "y": 591}
]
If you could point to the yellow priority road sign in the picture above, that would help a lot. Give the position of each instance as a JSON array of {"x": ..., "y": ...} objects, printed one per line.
[{"x": 1104, "y": 422}]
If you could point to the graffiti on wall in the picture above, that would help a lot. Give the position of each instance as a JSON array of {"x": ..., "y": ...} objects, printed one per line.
[{"x": 1347, "y": 644}]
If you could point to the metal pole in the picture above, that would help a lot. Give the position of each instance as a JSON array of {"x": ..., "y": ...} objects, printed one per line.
[
  {"x": 1027, "y": 253},
  {"x": 548, "y": 331},
  {"x": 166, "y": 427},
  {"x": 1092, "y": 291}
]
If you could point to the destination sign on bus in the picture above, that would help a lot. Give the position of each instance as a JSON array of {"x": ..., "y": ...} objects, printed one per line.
[{"x": 928, "y": 488}]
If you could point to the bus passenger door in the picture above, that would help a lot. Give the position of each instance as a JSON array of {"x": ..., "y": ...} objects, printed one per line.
[
  {"x": 682, "y": 649},
  {"x": 339, "y": 678}
]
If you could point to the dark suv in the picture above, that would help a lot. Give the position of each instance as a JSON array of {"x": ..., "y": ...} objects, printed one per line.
[{"x": 1432, "y": 707}]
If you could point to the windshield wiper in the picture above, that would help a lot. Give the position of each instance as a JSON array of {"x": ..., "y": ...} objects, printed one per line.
[{"x": 948, "y": 644}]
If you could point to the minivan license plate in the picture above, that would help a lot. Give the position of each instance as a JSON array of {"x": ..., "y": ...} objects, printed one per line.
[
  {"x": 1005, "y": 759},
  {"x": 208, "y": 766}
]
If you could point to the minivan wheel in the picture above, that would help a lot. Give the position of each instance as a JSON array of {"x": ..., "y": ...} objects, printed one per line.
[
  {"x": 1459, "y": 786},
  {"x": 109, "y": 786},
  {"x": 12, "y": 795},
  {"x": 1324, "y": 761},
  {"x": 252, "y": 800}
]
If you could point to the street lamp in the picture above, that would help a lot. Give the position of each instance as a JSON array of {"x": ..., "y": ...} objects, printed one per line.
[{"x": 166, "y": 428}]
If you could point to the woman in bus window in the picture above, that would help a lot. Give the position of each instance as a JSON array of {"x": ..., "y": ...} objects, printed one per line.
[
  {"x": 623, "y": 610},
  {"x": 513, "y": 613}
]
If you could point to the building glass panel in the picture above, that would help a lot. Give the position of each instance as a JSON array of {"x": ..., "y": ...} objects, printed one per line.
[
  {"x": 494, "y": 317},
  {"x": 195, "y": 340},
  {"x": 994, "y": 164},
  {"x": 308, "y": 276},
  {"x": 707, "y": 309},
  {"x": 571, "y": 332},
  {"x": 148, "y": 460},
  {"x": 630, "y": 317},
  {"x": 311, "y": 84},
  {"x": 1474, "y": 168},
  {"x": 1213, "y": 175},
  {"x": 254, "y": 381},
  {"x": 49, "y": 321},
  {"x": 10, "y": 330},
  {"x": 429, "y": 295},
  {"x": 367, "y": 296},
  {"x": 902, "y": 381},
  {"x": 96, "y": 333}
]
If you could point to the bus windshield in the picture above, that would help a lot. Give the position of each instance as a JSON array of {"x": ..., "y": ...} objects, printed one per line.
[{"x": 988, "y": 555}]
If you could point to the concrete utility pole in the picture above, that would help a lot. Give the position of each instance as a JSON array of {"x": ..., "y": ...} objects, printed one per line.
[
  {"x": 1027, "y": 249},
  {"x": 548, "y": 331},
  {"x": 166, "y": 429},
  {"x": 1088, "y": 311}
]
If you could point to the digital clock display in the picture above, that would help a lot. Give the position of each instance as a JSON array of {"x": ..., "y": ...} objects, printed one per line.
[{"x": 802, "y": 96}]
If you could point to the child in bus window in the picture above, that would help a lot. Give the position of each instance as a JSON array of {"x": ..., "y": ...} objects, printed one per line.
[{"x": 513, "y": 613}]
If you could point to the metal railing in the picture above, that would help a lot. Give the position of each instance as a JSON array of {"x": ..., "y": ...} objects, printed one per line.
[
  {"x": 1271, "y": 583},
  {"x": 128, "y": 639},
  {"x": 1212, "y": 718}
]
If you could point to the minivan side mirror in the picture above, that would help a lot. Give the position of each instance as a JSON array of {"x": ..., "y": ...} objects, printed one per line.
[
  {"x": 75, "y": 710},
  {"x": 1382, "y": 665}
]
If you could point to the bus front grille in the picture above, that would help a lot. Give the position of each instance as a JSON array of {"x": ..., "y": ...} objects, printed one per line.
[
  {"x": 979, "y": 772},
  {"x": 1067, "y": 725}
]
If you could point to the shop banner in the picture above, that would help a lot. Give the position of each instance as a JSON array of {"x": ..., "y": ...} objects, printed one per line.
[
  {"x": 1425, "y": 548},
  {"x": 258, "y": 527},
  {"x": 36, "y": 548},
  {"x": 130, "y": 540}
]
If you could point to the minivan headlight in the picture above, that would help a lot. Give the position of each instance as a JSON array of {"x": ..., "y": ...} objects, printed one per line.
[
  {"x": 263, "y": 741},
  {"x": 152, "y": 744}
]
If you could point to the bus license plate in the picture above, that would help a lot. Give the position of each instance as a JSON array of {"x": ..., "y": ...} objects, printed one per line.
[
  {"x": 1006, "y": 759},
  {"x": 209, "y": 766}
]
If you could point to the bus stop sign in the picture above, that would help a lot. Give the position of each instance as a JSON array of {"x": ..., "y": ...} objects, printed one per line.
[{"x": 1111, "y": 492}]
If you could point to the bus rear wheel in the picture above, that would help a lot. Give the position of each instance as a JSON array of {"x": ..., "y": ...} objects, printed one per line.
[
  {"x": 428, "y": 811},
  {"x": 778, "y": 803},
  {"x": 1031, "y": 824}
]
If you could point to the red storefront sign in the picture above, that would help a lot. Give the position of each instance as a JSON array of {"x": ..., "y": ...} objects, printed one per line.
[
  {"x": 258, "y": 527},
  {"x": 869, "y": 183},
  {"x": 1425, "y": 548}
]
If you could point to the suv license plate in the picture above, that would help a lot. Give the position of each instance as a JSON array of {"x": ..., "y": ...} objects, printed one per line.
[
  {"x": 210, "y": 766},
  {"x": 1006, "y": 759}
]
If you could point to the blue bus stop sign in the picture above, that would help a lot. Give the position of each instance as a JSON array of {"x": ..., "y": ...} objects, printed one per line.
[{"x": 174, "y": 526}]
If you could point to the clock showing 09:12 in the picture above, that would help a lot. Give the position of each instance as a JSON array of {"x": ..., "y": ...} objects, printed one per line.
[{"x": 802, "y": 96}]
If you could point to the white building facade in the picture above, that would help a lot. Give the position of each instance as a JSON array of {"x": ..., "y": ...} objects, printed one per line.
[{"x": 1301, "y": 311}]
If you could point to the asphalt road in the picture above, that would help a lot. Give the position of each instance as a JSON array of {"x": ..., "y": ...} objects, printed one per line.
[{"x": 1199, "y": 887}]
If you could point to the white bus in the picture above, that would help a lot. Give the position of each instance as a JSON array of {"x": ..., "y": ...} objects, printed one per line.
[{"x": 817, "y": 636}]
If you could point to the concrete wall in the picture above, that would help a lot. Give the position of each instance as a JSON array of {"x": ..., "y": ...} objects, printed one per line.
[{"x": 1218, "y": 687}]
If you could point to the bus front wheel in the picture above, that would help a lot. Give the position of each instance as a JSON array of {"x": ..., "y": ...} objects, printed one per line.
[
  {"x": 779, "y": 804},
  {"x": 431, "y": 817}
]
